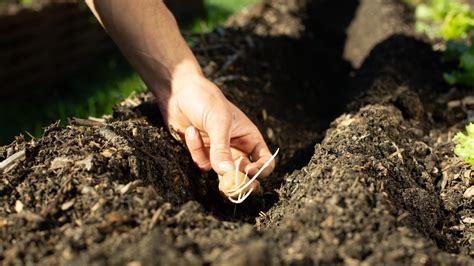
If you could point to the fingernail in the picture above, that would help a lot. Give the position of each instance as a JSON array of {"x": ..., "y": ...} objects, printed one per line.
[
  {"x": 226, "y": 166},
  {"x": 191, "y": 133}
]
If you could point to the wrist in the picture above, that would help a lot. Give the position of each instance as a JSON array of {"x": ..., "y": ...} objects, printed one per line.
[
  {"x": 184, "y": 74},
  {"x": 171, "y": 81}
]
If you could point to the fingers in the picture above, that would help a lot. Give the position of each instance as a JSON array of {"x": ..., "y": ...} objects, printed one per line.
[
  {"x": 236, "y": 155},
  {"x": 200, "y": 152},
  {"x": 261, "y": 155},
  {"x": 197, "y": 149},
  {"x": 218, "y": 130},
  {"x": 219, "y": 153},
  {"x": 257, "y": 189}
]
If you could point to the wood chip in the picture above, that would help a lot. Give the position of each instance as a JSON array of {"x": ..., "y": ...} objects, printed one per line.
[
  {"x": 86, "y": 163},
  {"x": 107, "y": 153},
  {"x": 115, "y": 217},
  {"x": 12, "y": 159},
  {"x": 67, "y": 205},
  {"x": 86, "y": 122},
  {"x": 468, "y": 220},
  {"x": 454, "y": 104},
  {"x": 130, "y": 186},
  {"x": 467, "y": 177},
  {"x": 444, "y": 180},
  {"x": 158, "y": 215},
  {"x": 155, "y": 218},
  {"x": 98, "y": 205},
  {"x": 60, "y": 162},
  {"x": 96, "y": 119},
  {"x": 469, "y": 193},
  {"x": 264, "y": 114},
  {"x": 125, "y": 188},
  {"x": 11, "y": 167}
]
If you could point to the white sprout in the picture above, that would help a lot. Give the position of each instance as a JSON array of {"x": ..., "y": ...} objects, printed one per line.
[{"x": 239, "y": 188}]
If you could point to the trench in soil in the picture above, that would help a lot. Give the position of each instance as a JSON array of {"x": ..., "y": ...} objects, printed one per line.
[{"x": 309, "y": 80}]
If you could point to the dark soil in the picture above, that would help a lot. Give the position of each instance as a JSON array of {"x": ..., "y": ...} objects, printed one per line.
[{"x": 366, "y": 173}]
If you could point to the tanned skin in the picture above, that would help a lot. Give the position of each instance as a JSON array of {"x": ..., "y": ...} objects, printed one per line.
[{"x": 215, "y": 130}]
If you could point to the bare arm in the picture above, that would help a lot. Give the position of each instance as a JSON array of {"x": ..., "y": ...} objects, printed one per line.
[
  {"x": 215, "y": 130},
  {"x": 149, "y": 37}
]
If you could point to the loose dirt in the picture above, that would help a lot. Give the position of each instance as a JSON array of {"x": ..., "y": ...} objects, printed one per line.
[{"x": 366, "y": 173}]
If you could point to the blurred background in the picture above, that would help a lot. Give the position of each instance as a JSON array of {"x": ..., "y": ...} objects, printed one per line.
[{"x": 56, "y": 62}]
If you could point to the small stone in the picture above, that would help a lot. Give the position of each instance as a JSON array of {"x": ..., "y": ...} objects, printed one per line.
[{"x": 19, "y": 206}]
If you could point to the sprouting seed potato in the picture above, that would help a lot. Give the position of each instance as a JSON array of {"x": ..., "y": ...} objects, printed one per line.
[
  {"x": 237, "y": 186},
  {"x": 231, "y": 181}
]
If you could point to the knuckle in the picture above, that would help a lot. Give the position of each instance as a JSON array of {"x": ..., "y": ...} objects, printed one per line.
[
  {"x": 195, "y": 148},
  {"x": 221, "y": 119},
  {"x": 217, "y": 115},
  {"x": 220, "y": 150},
  {"x": 204, "y": 165}
]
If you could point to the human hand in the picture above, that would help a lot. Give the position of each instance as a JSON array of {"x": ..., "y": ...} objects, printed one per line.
[{"x": 216, "y": 132}]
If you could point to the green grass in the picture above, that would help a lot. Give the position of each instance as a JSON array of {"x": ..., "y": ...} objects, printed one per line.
[
  {"x": 217, "y": 13},
  {"x": 93, "y": 92}
]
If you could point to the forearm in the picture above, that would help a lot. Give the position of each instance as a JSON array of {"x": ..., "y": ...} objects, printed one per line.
[{"x": 147, "y": 34}]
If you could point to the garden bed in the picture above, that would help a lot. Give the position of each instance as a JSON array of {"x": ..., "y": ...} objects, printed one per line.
[{"x": 366, "y": 172}]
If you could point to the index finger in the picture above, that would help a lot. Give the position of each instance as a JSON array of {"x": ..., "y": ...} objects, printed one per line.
[{"x": 264, "y": 161}]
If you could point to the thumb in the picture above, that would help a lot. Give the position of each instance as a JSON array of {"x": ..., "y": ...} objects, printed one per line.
[{"x": 219, "y": 136}]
